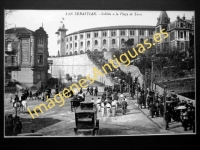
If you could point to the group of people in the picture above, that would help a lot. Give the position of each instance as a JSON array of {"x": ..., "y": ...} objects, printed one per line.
[
  {"x": 13, "y": 125},
  {"x": 110, "y": 102},
  {"x": 92, "y": 91},
  {"x": 155, "y": 104}
]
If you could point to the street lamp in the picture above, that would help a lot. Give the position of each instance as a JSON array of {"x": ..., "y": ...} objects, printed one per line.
[{"x": 165, "y": 93}]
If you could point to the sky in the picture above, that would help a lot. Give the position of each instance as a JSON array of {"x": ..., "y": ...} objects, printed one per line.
[{"x": 51, "y": 20}]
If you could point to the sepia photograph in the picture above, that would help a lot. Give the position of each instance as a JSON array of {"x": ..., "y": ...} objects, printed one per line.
[{"x": 81, "y": 73}]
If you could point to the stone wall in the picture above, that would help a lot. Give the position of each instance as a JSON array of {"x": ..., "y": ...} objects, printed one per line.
[{"x": 74, "y": 66}]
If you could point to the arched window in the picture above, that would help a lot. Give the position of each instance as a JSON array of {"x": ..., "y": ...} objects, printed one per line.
[
  {"x": 70, "y": 53},
  {"x": 104, "y": 41},
  {"x": 75, "y": 44},
  {"x": 88, "y": 43},
  {"x": 67, "y": 46},
  {"x": 75, "y": 53},
  {"x": 81, "y": 43},
  {"x": 141, "y": 40},
  {"x": 122, "y": 41},
  {"x": 113, "y": 41},
  {"x": 95, "y": 42}
]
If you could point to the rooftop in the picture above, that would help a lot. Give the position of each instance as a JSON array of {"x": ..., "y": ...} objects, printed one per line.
[{"x": 16, "y": 30}]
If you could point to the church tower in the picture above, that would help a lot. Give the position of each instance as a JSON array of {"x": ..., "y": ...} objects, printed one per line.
[
  {"x": 61, "y": 33},
  {"x": 163, "y": 21}
]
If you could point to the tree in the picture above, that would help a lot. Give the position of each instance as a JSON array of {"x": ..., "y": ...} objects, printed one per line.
[{"x": 7, "y": 14}]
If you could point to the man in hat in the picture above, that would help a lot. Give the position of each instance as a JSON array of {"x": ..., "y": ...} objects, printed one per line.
[
  {"x": 124, "y": 106},
  {"x": 167, "y": 117}
]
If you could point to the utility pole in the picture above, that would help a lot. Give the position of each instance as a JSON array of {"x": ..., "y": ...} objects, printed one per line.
[
  {"x": 165, "y": 93},
  {"x": 151, "y": 74}
]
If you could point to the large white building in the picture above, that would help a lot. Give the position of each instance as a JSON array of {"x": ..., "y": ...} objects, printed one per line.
[{"x": 106, "y": 38}]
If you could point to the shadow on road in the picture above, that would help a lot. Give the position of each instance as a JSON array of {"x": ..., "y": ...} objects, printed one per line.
[{"x": 36, "y": 124}]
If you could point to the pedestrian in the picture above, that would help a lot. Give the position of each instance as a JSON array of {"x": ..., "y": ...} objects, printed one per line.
[
  {"x": 9, "y": 125},
  {"x": 114, "y": 107},
  {"x": 98, "y": 104},
  {"x": 108, "y": 107},
  {"x": 124, "y": 106},
  {"x": 152, "y": 109},
  {"x": 17, "y": 126},
  {"x": 140, "y": 102},
  {"x": 161, "y": 109},
  {"x": 91, "y": 91},
  {"x": 31, "y": 95},
  {"x": 81, "y": 91},
  {"x": 167, "y": 115},
  {"x": 157, "y": 109},
  {"x": 185, "y": 120},
  {"x": 95, "y": 91},
  {"x": 190, "y": 118},
  {"x": 103, "y": 108}
]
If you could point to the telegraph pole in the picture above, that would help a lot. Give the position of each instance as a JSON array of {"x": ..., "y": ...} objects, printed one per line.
[{"x": 165, "y": 93}]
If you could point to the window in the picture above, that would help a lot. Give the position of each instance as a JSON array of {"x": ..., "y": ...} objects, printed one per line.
[
  {"x": 151, "y": 41},
  {"x": 141, "y": 32},
  {"x": 132, "y": 32},
  {"x": 181, "y": 34},
  {"x": 96, "y": 34},
  {"x": 95, "y": 42},
  {"x": 122, "y": 32},
  {"x": 104, "y": 41},
  {"x": 81, "y": 36},
  {"x": 88, "y": 35},
  {"x": 14, "y": 60},
  {"x": 75, "y": 44},
  {"x": 40, "y": 58},
  {"x": 122, "y": 41},
  {"x": 70, "y": 38},
  {"x": 113, "y": 33},
  {"x": 75, "y": 37},
  {"x": 141, "y": 40},
  {"x": 81, "y": 43},
  {"x": 113, "y": 41},
  {"x": 88, "y": 43},
  {"x": 181, "y": 24},
  {"x": 67, "y": 46},
  {"x": 150, "y": 32},
  {"x": 67, "y": 39},
  {"x": 104, "y": 33},
  {"x": 70, "y": 45}
]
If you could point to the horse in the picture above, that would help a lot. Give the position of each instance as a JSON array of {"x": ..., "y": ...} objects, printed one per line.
[
  {"x": 16, "y": 106},
  {"x": 19, "y": 105}
]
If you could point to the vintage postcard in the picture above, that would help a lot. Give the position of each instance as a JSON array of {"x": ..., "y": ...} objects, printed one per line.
[{"x": 75, "y": 73}]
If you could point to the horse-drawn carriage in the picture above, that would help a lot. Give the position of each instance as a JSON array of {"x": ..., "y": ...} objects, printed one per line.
[
  {"x": 76, "y": 100},
  {"x": 86, "y": 117}
]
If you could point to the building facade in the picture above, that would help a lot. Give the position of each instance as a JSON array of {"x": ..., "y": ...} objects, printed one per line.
[
  {"x": 181, "y": 32},
  {"x": 106, "y": 38},
  {"x": 26, "y": 54}
]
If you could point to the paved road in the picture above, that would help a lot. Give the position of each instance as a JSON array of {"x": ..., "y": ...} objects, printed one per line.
[
  {"x": 133, "y": 123},
  {"x": 59, "y": 121}
]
